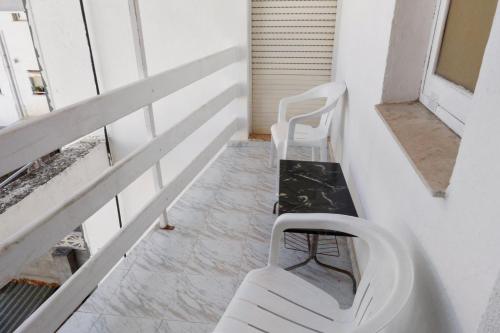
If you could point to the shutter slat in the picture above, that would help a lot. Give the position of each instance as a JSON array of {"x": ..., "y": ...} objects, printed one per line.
[{"x": 292, "y": 48}]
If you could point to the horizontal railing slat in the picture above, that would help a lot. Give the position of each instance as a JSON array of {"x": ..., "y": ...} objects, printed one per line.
[
  {"x": 55, "y": 310},
  {"x": 38, "y": 237},
  {"x": 28, "y": 140}
]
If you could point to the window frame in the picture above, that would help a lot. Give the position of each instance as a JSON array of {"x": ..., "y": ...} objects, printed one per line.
[
  {"x": 37, "y": 74},
  {"x": 447, "y": 100},
  {"x": 19, "y": 16}
]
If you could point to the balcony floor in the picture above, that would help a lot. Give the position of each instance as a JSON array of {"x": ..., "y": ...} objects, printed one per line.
[{"x": 182, "y": 280}]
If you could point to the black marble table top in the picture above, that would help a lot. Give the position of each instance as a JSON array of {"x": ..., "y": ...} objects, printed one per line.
[{"x": 313, "y": 187}]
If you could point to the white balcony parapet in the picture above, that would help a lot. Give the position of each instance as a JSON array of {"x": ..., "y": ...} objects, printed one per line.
[{"x": 33, "y": 138}]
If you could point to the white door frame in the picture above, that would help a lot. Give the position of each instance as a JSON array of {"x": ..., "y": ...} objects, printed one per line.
[{"x": 9, "y": 68}]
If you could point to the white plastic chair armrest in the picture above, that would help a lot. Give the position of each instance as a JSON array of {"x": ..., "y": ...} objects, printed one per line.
[
  {"x": 299, "y": 118},
  {"x": 305, "y": 96},
  {"x": 284, "y": 102},
  {"x": 313, "y": 93}
]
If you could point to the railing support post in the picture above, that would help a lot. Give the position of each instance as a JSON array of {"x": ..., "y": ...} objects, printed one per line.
[{"x": 142, "y": 69}]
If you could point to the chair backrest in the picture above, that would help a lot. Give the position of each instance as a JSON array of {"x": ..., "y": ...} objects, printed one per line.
[
  {"x": 386, "y": 284},
  {"x": 332, "y": 91}
]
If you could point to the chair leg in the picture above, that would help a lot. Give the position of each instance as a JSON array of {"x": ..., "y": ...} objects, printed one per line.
[
  {"x": 277, "y": 184},
  {"x": 280, "y": 154},
  {"x": 272, "y": 156}
]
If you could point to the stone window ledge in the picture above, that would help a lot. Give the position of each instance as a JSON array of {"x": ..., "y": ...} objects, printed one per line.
[{"x": 431, "y": 147}]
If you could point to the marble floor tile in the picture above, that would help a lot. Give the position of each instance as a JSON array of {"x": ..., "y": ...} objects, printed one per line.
[
  {"x": 203, "y": 298},
  {"x": 247, "y": 160},
  {"x": 197, "y": 198},
  {"x": 248, "y": 181},
  {"x": 185, "y": 327},
  {"x": 261, "y": 226},
  {"x": 240, "y": 200},
  {"x": 265, "y": 201},
  {"x": 226, "y": 225},
  {"x": 188, "y": 222},
  {"x": 212, "y": 178},
  {"x": 79, "y": 322},
  {"x": 219, "y": 167},
  {"x": 120, "y": 324},
  {"x": 208, "y": 185},
  {"x": 145, "y": 294},
  {"x": 250, "y": 166},
  {"x": 164, "y": 251},
  {"x": 259, "y": 152},
  {"x": 98, "y": 300},
  {"x": 128, "y": 260},
  {"x": 255, "y": 255},
  {"x": 215, "y": 257}
]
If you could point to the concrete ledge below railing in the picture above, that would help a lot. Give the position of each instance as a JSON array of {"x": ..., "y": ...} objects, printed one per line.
[{"x": 431, "y": 147}]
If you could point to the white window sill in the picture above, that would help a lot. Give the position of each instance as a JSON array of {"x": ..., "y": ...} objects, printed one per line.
[{"x": 431, "y": 147}]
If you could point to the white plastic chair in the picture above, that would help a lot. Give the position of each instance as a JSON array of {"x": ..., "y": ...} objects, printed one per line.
[
  {"x": 274, "y": 300},
  {"x": 292, "y": 133}
]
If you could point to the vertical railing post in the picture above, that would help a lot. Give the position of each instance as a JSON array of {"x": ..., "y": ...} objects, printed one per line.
[{"x": 142, "y": 69}]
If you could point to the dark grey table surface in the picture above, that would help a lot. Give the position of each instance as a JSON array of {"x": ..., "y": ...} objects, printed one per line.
[{"x": 314, "y": 187}]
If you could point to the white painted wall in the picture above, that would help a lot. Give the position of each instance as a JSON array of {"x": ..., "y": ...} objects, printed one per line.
[
  {"x": 174, "y": 33},
  {"x": 411, "y": 28},
  {"x": 113, "y": 49},
  {"x": 454, "y": 240},
  {"x": 22, "y": 54},
  {"x": 60, "y": 40},
  {"x": 8, "y": 113},
  {"x": 11, "y": 5}
]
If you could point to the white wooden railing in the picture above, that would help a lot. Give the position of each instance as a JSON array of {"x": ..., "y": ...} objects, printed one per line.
[{"x": 31, "y": 139}]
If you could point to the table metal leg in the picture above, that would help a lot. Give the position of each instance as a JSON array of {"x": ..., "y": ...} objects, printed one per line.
[
  {"x": 305, "y": 262},
  {"x": 313, "y": 247},
  {"x": 354, "y": 286},
  {"x": 313, "y": 254}
]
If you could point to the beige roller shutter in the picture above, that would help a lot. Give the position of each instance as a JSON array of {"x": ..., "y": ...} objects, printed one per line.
[{"x": 292, "y": 48}]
